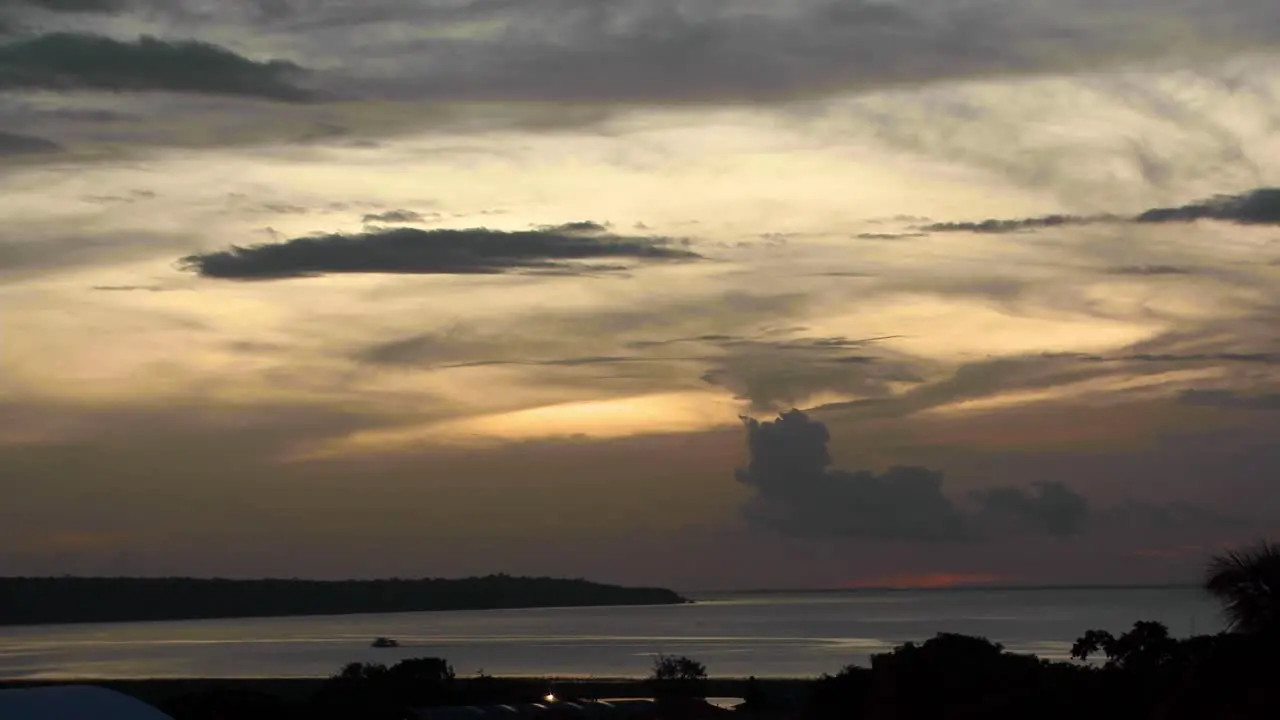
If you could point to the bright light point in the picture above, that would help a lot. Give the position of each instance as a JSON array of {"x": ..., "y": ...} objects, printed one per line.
[{"x": 549, "y": 697}]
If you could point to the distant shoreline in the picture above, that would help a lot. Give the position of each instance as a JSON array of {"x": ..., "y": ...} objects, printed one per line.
[
  {"x": 69, "y": 600},
  {"x": 953, "y": 588}
]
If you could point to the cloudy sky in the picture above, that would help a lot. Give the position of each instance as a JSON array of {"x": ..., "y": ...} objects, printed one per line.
[{"x": 698, "y": 293}]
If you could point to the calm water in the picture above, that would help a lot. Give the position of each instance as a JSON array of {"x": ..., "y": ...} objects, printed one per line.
[{"x": 735, "y": 635}]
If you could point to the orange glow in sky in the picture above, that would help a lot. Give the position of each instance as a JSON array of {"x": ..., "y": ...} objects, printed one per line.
[{"x": 929, "y": 581}]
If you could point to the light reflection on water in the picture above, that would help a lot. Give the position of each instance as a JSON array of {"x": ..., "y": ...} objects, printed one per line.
[{"x": 765, "y": 634}]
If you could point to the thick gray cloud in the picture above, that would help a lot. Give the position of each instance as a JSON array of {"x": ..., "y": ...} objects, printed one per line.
[
  {"x": 583, "y": 61},
  {"x": 706, "y": 50},
  {"x": 68, "y": 61},
  {"x": 717, "y": 51},
  {"x": 797, "y": 494},
  {"x": 1163, "y": 516},
  {"x": 1051, "y": 507},
  {"x": 1256, "y": 207},
  {"x": 14, "y": 144},
  {"x": 432, "y": 252}
]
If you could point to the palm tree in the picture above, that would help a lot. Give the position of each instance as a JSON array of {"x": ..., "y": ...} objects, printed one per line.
[{"x": 1247, "y": 583}]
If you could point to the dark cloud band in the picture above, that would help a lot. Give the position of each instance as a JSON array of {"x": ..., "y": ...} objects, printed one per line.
[
  {"x": 433, "y": 252},
  {"x": 14, "y": 144},
  {"x": 1256, "y": 207},
  {"x": 69, "y": 61}
]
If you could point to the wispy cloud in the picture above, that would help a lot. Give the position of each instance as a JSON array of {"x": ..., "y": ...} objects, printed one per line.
[
  {"x": 1229, "y": 399},
  {"x": 1150, "y": 270}
]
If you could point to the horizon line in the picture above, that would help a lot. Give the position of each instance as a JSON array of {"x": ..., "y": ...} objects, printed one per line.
[{"x": 948, "y": 588}]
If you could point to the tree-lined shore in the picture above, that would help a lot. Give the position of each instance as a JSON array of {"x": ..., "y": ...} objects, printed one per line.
[{"x": 41, "y": 601}]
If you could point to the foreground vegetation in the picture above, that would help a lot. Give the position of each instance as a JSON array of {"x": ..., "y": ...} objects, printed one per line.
[
  {"x": 31, "y": 601},
  {"x": 1140, "y": 674}
]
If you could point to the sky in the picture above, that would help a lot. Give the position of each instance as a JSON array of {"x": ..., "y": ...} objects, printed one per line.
[{"x": 705, "y": 294}]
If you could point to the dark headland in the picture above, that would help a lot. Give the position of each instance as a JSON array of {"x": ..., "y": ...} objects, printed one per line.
[{"x": 38, "y": 601}]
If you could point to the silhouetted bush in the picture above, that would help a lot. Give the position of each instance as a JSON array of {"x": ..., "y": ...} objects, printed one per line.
[
  {"x": 841, "y": 695},
  {"x": 376, "y": 691},
  {"x": 228, "y": 703},
  {"x": 677, "y": 678}
]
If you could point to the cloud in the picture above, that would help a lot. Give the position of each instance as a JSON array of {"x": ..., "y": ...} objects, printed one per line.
[
  {"x": 76, "y": 6},
  {"x": 584, "y": 63},
  {"x": 1163, "y": 517},
  {"x": 584, "y": 227},
  {"x": 1217, "y": 357},
  {"x": 430, "y": 252},
  {"x": 889, "y": 235},
  {"x": 1049, "y": 506},
  {"x": 574, "y": 361},
  {"x": 777, "y": 374},
  {"x": 750, "y": 50},
  {"x": 995, "y": 226},
  {"x": 129, "y": 288},
  {"x": 39, "y": 253},
  {"x": 548, "y": 341},
  {"x": 1228, "y": 399},
  {"x": 767, "y": 372},
  {"x": 395, "y": 216},
  {"x": 1256, "y": 207},
  {"x": 1149, "y": 270},
  {"x": 797, "y": 494},
  {"x": 66, "y": 61},
  {"x": 13, "y": 144}
]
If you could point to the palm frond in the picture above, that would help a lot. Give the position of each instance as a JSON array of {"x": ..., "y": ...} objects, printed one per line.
[{"x": 1247, "y": 583}]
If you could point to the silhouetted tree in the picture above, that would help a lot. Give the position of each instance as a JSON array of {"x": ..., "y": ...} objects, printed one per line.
[
  {"x": 1146, "y": 646},
  {"x": 841, "y": 695},
  {"x": 361, "y": 671},
  {"x": 958, "y": 676},
  {"x": 374, "y": 691},
  {"x": 678, "y": 678},
  {"x": 1247, "y": 583},
  {"x": 230, "y": 702}
]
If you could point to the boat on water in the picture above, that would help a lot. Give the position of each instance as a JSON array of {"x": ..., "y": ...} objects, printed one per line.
[{"x": 383, "y": 642}]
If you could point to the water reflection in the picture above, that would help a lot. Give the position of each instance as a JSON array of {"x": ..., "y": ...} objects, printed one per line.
[{"x": 767, "y": 634}]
